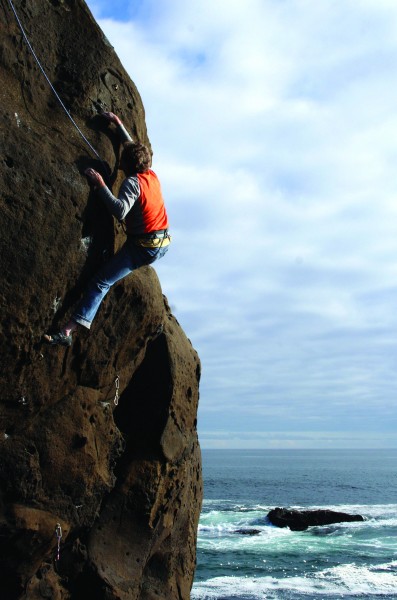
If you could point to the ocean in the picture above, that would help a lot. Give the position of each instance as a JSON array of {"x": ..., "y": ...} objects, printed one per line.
[{"x": 346, "y": 560}]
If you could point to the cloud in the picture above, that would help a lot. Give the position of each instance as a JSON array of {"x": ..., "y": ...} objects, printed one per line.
[{"x": 273, "y": 126}]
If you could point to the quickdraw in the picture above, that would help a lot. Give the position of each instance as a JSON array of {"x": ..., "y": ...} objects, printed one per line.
[
  {"x": 117, "y": 384},
  {"x": 58, "y": 533}
]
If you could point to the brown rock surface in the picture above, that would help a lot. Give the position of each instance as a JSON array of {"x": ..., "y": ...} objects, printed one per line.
[{"x": 123, "y": 482}]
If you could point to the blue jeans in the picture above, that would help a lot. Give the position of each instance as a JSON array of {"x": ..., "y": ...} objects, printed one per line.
[{"x": 127, "y": 259}]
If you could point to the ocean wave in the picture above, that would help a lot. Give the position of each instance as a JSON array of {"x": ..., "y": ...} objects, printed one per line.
[
  {"x": 375, "y": 515},
  {"x": 243, "y": 506},
  {"x": 251, "y": 532},
  {"x": 340, "y": 580}
]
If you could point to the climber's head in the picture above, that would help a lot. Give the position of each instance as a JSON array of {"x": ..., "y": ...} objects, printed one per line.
[{"x": 136, "y": 158}]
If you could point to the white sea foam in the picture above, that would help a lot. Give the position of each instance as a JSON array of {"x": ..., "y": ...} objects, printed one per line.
[
  {"x": 344, "y": 579},
  {"x": 373, "y": 509},
  {"x": 375, "y": 516},
  {"x": 342, "y": 560},
  {"x": 221, "y": 531},
  {"x": 335, "y": 544}
]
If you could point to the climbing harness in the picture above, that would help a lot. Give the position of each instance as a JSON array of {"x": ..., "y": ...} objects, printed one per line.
[
  {"x": 117, "y": 384},
  {"x": 155, "y": 239},
  {"x": 58, "y": 533},
  {"x": 50, "y": 84}
]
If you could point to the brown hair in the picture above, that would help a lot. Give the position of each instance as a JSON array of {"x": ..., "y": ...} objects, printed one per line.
[{"x": 136, "y": 158}]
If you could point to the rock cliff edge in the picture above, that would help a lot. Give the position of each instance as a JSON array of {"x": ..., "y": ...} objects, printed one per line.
[{"x": 122, "y": 482}]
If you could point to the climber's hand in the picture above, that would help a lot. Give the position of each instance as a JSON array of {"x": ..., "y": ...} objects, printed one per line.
[
  {"x": 94, "y": 178},
  {"x": 112, "y": 118}
]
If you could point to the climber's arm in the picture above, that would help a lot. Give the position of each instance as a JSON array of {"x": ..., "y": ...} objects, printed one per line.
[
  {"x": 121, "y": 130},
  {"x": 128, "y": 194}
]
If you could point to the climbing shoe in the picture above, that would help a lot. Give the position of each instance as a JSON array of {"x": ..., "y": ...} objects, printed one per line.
[{"x": 58, "y": 339}]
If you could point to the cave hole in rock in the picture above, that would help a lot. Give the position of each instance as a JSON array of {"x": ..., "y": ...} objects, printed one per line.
[{"x": 143, "y": 407}]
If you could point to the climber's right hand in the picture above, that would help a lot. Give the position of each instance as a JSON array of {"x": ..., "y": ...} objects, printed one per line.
[{"x": 112, "y": 118}]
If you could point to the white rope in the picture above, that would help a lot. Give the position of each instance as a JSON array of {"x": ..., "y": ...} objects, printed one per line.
[{"x": 49, "y": 82}]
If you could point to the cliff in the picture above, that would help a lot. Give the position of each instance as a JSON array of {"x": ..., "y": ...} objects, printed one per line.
[{"x": 122, "y": 482}]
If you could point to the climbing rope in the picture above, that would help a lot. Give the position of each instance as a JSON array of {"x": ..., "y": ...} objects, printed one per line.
[{"x": 49, "y": 82}]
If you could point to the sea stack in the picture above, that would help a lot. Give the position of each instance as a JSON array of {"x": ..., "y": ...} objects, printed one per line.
[
  {"x": 97, "y": 500},
  {"x": 299, "y": 520}
]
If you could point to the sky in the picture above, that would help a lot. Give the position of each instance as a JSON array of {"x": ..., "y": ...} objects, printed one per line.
[{"x": 274, "y": 130}]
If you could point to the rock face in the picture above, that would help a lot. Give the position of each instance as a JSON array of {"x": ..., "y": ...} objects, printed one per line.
[
  {"x": 122, "y": 482},
  {"x": 299, "y": 520}
]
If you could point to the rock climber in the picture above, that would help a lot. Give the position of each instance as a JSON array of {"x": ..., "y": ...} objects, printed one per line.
[{"x": 140, "y": 205}]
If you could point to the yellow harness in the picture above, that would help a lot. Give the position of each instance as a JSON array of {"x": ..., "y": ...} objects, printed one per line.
[{"x": 153, "y": 241}]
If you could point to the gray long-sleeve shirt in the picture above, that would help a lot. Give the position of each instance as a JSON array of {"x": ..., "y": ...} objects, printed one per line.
[{"x": 139, "y": 197}]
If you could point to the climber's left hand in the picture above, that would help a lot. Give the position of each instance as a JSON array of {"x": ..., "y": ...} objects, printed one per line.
[{"x": 94, "y": 178}]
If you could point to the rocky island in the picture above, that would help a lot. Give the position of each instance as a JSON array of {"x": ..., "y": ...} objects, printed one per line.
[{"x": 300, "y": 520}]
